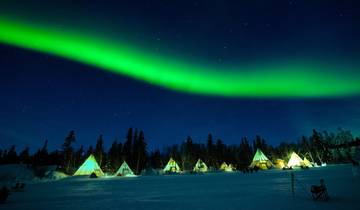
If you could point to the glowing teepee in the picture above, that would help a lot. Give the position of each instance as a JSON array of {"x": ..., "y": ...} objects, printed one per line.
[
  {"x": 172, "y": 167},
  {"x": 124, "y": 170},
  {"x": 88, "y": 167},
  {"x": 295, "y": 161},
  {"x": 226, "y": 167},
  {"x": 260, "y": 161},
  {"x": 279, "y": 163},
  {"x": 200, "y": 166}
]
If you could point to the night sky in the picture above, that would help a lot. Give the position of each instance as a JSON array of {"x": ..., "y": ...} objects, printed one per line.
[{"x": 177, "y": 68}]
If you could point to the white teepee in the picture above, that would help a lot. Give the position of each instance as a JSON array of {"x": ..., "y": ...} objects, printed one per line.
[
  {"x": 226, "y": 167},
  {"x": 124, "y": 170},
  {"x": 295, "y": 161},
  {"x": 200, "y": 166}
]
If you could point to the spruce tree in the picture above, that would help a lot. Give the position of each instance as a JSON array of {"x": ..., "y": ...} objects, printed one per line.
[
  {"x": 68, "y": 152},
  {"x": 220, "y": 147},
  {"x": 114, "y": 156},
  {"x": 24, "y": 156},
  {"x": 245, "y": 153},
  {"x": 128, "y": 146},
  {"x": 11, "y": 156},
  {"x": 156, "y": 160},
  {"x": 210, "y": 151},
  {"x": 79, "y": 156},
  {"x": 99, "y": 150},
  {"x": 140, "y": 153}
]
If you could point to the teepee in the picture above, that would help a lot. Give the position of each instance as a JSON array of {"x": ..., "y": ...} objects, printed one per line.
[
  {"x": 226, "y": 167},
  {"x": 172, "y": 167},
  {"x": 295, "y": 161},
  {"x": 88, "y": 167},
  {"x": 260, "y": 161},
  {"x": 307, "y": 163},
  {"x": 124, "y": 170},
  {"x": 279, "y": 163},
  {"x": 200, "y": 166}
]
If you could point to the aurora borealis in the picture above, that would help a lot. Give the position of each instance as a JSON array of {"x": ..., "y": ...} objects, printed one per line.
[
  {"x": 277, "y": 80},
  {"x": 177, "y": 68}
]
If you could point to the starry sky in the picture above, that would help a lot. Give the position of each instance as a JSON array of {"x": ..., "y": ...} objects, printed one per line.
[{"x": 177, "y": 68}]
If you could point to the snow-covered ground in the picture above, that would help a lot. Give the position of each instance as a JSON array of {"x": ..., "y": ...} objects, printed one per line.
[
  {"x": 12, "y": 172},
  {"x": 262, "y": 190}
]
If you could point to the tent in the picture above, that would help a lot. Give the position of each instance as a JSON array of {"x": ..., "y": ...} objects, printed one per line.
[
  {"x": 171, "y": 167},
  {"x": 223, "y": 166},
  {"x": 279, "y": 163},
  {"x": 260, "y": 161},
  {"x": 295, "y": 161},
  {"x": 124, "y": 170},
  {"x": 200, "y": 166},
  {"x": 88, "y": 167},
  {"x": 226, "y": 167},
  {"x": 231, "y": 167},
  {"x": 307, "y": 163}
]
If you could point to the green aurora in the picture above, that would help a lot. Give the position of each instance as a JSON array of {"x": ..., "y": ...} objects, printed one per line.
[{"x": 280, "y": 80}]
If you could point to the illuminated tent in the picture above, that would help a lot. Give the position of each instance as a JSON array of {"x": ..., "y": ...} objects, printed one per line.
[
  {"x": 295, "y": 161},
  {"x": 88, "y": 167},
  {"x": 200, "y": 166},
  {"x": 172, "y": 167},
  {"x": 260, "y": 161},
  {"x": 124, "y": 170},
  {"x": 279, "y": 163},
  {"x": 231, "y": 167},
  {"x": 223, "y": 166},
  {"x": 307, "y": 163},
  {"x": 226, "y": 167}
]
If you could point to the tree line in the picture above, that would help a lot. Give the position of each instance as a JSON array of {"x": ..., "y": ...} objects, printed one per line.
[{"x": 319, "y": 147}]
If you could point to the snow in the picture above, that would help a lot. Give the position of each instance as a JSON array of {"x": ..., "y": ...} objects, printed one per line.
[
  {"x": 54, "y": 175},
  {"x": 15, "y": 172},
  {"x": 261, "y": 190},
  {"x": 12, "y": 173}
]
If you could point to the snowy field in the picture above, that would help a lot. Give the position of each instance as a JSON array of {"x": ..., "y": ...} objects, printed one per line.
[{"x": 262, "y": 190}]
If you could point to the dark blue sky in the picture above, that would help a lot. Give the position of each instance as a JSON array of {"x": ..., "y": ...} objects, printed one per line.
[{"x": 44, "y": 97}]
